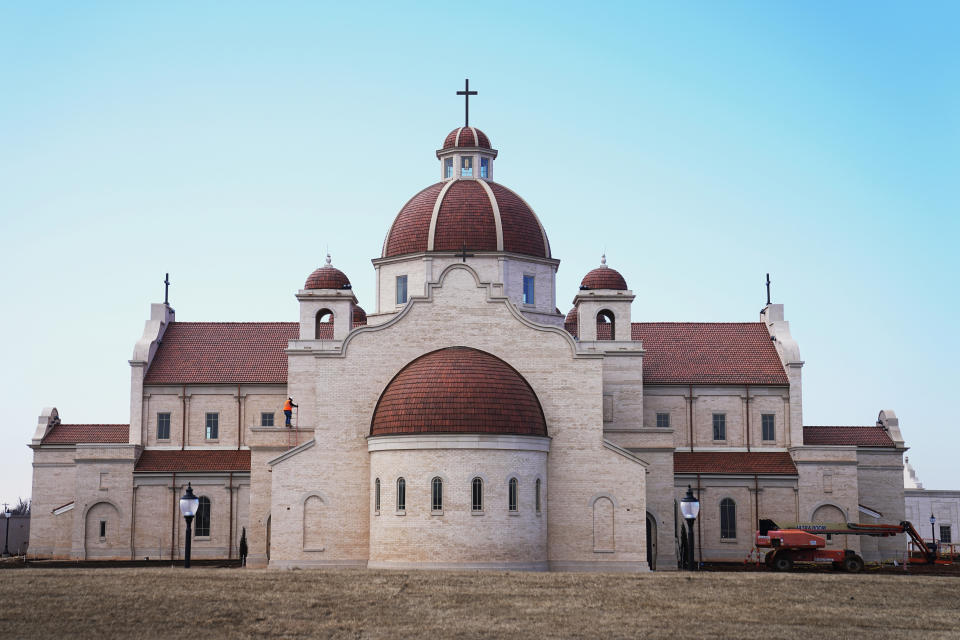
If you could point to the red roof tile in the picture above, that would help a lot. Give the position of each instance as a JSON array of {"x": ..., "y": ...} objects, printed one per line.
[
  {"x": 733, "y": 462},
  {"x": 465, "y": 219},
  {"x": 165, "y": 460},
  {"x": 466, "y": 139},
  {"x": 709, "y": 353},
  {"x": 604, "y": 278},
  {"x": 458, "y": 390},
  {"x": 223, "y": 353},
  {"x": 76, "y": 433},
  {"x": 860, "y": 436},
  {"x": 327, "y": 277},
  {"x": 521, "y": 229}
]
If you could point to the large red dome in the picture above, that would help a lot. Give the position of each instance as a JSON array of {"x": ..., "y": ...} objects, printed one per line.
[
  {"x": 466, "y": 137},
  {"x": 458, "y": 390},
  {"x": 467, "y": 218}
]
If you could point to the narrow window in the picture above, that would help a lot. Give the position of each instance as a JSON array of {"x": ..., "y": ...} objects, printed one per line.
[
  {"x": 766, "y": 422},
  {"x": 448, "y": 168},
  {"x": 512, "y": 497},
  {"x": 466, "y": 166},
  {"x": 266, "y": 419},
  {"x": 202, "y": 520},
  {"x": 213, "y": 425},
  {"x": 484, "y": 167},
  {"x": 103, "y": 480},
  {"x": 163, "y": 426},
  {"x": 945, "y": 534},
  {"x": 719, "y": 426},
  {"x": 528, "y": 283},
  {"x": 401, "y": 494},
  {"x": 538, "y": 495},
  {"x": 401, "y": 289},
  {"x": 728, "y": 519},
  {"x": 103, "y": 529},
  {"x": 477, "y": 494},
  {"x": 436, "y": 494},
  {"x": 376, "y": 495},
  {"x": 663, "y": 420}
]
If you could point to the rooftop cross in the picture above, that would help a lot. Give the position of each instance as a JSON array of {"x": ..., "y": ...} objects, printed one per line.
[
  {"x": 463, "y": 255},
  {"x": 166, "y": 290},
  {"x": 768, "y": 288},
  {"x": 466, "y": 93}
]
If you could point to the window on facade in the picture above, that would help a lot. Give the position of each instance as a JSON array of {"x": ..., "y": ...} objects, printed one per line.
[
  {"x": 728, "y": 519},
  {"x": 945, "y": 533},
  {"x": 213, "y": 426},
  {"x": 401, "y": 494},
  {"x": 436, "y": 494},
  {"x": 202, "y": 520},
  {"x": 663, "y": 420},
  {"x": 448, "y": 168},
  {"x": 466, "y": 166},
  {"x": 103, "y": 528},
  {"x": 163, "y": 426},
  {"x": 484, "y": 167},
  {"x": 477, "y": 487},
  {"x": 401, "y": 289},
  {"x": 766, "y": 423},
  {"x": 266, "y": 419},
  {"x": 528, "y": 284},
  {"x": 719, "y": 426},
  {"x": 376, "y": 495},
  {"x": 537, "y": 497},
  {"x": 512, "y": 494}
]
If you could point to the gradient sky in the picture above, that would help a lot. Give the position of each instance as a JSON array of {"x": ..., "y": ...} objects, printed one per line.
[{"x": 700, "y": 144}]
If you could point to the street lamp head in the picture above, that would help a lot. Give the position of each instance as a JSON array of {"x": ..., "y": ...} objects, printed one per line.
[
  {"x": 7, "y": 513},
  {"x": 689, "y": 505},
  {"x": 189, "y": 503},
  {"x": 932, "y": 519}
]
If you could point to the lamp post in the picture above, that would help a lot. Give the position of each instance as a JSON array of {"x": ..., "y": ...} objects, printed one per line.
[
  {"x": 933, "y": 537},
  {"x": 188, "y": 507},
  {"x": 690, "y": 508},
  {"x": 6, "y": 537}
]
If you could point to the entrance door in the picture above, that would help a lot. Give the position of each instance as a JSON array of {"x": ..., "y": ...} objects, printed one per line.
[{"x": 651, "y": 542}]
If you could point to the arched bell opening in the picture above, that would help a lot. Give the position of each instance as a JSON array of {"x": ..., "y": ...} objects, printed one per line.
[{"x": 606, "y": 325}]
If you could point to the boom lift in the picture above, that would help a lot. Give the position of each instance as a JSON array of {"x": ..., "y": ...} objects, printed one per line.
[{"x": 805, "y": 542}]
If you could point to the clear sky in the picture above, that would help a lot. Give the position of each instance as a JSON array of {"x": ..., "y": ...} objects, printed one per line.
[{"x": 700, "y": 144}]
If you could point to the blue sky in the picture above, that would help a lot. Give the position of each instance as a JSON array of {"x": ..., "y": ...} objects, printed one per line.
[{"x": 700, "y": 144}]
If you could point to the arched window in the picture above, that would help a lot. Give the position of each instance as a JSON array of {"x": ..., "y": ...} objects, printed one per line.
[
  {"x": 436, "y": 494},
  {"x": 538, "y": 495},
  {"x": 728, "y": 519},
  {"x": 324, "y": 328},
  {"x": 313, "y": 523},
  {"x": 606, "y": 325},
  {"x": 477, "y": 486},
  {"x": 202, "y": 520},
  {"x": 376, "y": 495},
  {"x": 401, "y": 494},
  {"x": 512, "y": 494}
]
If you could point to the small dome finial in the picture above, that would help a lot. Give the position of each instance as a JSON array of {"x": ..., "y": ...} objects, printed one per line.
[
  {"x": 603, "y": 259},
  {"x": 329, "y": 260}
]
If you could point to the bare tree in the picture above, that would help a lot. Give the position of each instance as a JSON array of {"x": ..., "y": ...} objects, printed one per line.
[{"x": 22, "y": 508}]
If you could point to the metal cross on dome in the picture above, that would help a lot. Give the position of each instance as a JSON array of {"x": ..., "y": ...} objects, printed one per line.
[
  {"x": 768, "y": 288},
  {"x": 463, "y": 255},
  {"x": 166, "y": 290},
  {"x": 466, "y": 93}
]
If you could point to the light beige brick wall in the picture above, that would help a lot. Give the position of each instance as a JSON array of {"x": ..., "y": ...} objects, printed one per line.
[
  {"x": 54, "y": 485},
  {"x": 880, "y": 484}
]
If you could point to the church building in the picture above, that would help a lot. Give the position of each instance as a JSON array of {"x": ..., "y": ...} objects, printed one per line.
[{"x": 464, "y": 422}]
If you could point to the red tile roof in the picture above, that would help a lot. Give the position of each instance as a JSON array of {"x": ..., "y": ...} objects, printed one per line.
[
  {"x": 458, "y": 390},
  {"x": 604, "y": 278},
  {"x": 327, "y": 277},
  {"x": 860, "y": 436},
  {"x": 75, "y": 433},
  {"x": 466, "y": 139},
  {"x": 164, "y": 460},
  {"x": 709, "y": 353},
  {"x": 223, "y": 353},
  {"x": 465, "y": 219},
  {"x": 733, "y": 462}
]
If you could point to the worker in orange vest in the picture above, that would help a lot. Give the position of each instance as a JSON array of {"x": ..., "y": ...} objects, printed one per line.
[{"x": 288, "y": 409}]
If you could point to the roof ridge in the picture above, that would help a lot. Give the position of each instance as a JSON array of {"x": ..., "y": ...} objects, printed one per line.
[
  {"x": 209, "y": 322},
  {"x": 93, "y": 424},
  {"x": 842, "y": 426},
  {"x": 697, "y": 322}
]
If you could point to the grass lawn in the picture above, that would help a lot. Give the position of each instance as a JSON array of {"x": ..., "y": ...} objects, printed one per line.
[{"x": 235, "y": 603}]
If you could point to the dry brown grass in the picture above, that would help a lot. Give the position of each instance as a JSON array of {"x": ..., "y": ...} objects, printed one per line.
[{"x": 233, "y": 603}]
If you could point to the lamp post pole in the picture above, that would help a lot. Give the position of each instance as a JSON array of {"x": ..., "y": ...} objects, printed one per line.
[
  {"x": 933, "y": 536},
  {"x": 188, "y": 507},
  {"x": 6, "y": 537},
  {"x": 690, "y": 509}
]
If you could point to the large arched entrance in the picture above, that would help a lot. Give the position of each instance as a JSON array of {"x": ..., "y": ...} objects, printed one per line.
[{"x": 101, "y": 531}]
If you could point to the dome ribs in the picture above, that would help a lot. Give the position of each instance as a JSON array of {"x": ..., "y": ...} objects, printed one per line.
[
  {"x": 458, "y": 390},
  {"x": 411, "y": 228},
  {"x": 469, "y": 137},
  {"x": 604, "y": 278},
  {"x": 465, "y": 219},
  {"x": 521, "y": 230}
]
